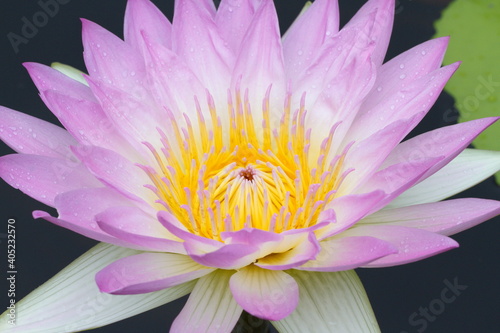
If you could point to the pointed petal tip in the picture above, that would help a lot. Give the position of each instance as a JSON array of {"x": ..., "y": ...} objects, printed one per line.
[
  {"x": 29, "y": 64},
  {"x": 39, "y": 214},
  {"x": 33, "y": 68},
  {"x": 89, "y": 26},
  {"x": 85, "y": 22},
  {"x": 455, "y": 65},
  {"x": 445, "y": 39}
]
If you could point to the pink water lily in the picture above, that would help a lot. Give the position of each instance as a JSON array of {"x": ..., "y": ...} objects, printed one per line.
[{"x": 214, "y": 157}]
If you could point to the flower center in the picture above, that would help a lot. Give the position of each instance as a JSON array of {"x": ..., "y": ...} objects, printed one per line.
[
  {"x": 247, "y": 173},
  {"x": 232, "y": 175}
]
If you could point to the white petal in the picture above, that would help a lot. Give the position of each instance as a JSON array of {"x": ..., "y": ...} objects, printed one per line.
[
  {"x": 71, "y": 301},
  {"x": 210, "y": 307},
  {"x": 329, "y": 302},
  {"x": 466, "y": 170}
]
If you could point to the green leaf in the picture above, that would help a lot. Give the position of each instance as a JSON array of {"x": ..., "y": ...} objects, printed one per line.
[{"x": 474, "y": 27}]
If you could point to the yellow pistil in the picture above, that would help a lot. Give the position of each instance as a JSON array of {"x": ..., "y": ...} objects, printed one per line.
[{"x": 242, "y": 174}]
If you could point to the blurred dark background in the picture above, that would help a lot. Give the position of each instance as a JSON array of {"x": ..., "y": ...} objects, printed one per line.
[{"x": 396, "y": 293}]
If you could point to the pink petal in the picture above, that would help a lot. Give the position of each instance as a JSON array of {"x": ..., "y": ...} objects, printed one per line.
[
  {"x": 196, "y": 40},
  {"x": 278, "y": 251},
  {"x": 250, "y": 236},
  {"x": 42, "y": 177},
  {"x": 29, "y": 135},
  {"x": 233, "y": 19},
  {"x": 207, "y": 6},
  {"x": 259, "y": 64},
  {"x": 410, "y": 65},
  {"x": 339, "y": 99},
  {"x": 412, "y": 244},
  {"x": 229, "y": 256},
  {"x": 46, "y": 78},
  {"x": 117, "y": 172},
  {"x": 143, "y": 15},
  {"x": 396, "y": 176},
  {"x": 447, "y": 141},
  {"x": 396, "y": 179},
  {"x": 416, "y": 98},
  {"x": 382, "y": 27},
  {"x": 306, "y": 250},
  {"x": 76, "y": 108},
  {"x": 111, "y": 60},
  {"x": 86, "y": 121},
  {"x": 175, "y": 227},
  {"x": 372, "y": 151},
  {"x": 84, "y": 230},
  {"x": 77, "y": 210},
  {"x": 174, "y": 86},
  {"x": 80, "y": 206},
  {"x": 199, "y": 314},
  {"x": 445, "y": 217},
  {"x": 308, "y": 33},
  {"x": 133, "y": 225},
  {"x": 135, "y": 118},
  {"x": 345, "y": 253},
  {"x": 209, "y": 252},
  {"x": 346, "y": 211},
  {"x": 147, "y": 272},
  {"x": 341, "y": 61},
  {"x": 270, "y": 295}
]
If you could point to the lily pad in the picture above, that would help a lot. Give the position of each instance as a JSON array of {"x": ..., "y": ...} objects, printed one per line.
[{"x": 474, "y": 27}]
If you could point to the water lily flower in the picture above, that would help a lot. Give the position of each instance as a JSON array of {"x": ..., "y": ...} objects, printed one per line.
[{"x": 255, "y": 171}]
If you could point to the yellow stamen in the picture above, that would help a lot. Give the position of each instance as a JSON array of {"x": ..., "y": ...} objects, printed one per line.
[{"x": 242, "y": 174}]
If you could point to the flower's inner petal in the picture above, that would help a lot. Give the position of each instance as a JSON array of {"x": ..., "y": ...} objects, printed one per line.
[
  {"x": 266, "y": 294},
  {"x": 145, "y": 16},
  {"x": 307, "y": 34},
  {"x": 233, "y": 19}
]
